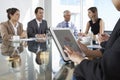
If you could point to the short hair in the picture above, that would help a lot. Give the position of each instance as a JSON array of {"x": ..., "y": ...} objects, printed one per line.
[
  {"x": 36, "y": 10},
  {"x": 11, "y": 11},
  {"x": 66, "y": 11},
  {"x": 93, "y": 9}
]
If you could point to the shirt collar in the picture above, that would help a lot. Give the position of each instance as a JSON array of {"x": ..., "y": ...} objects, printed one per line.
[
  {"x": 38, "y": 22},
  {"x": 67, "y": 22},
  {"x": 14, "y": 25}
]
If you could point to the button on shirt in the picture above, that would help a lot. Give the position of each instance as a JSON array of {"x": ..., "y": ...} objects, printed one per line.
[{"x": 70, "y": 25}]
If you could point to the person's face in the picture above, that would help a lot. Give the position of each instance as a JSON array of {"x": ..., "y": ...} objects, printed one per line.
[
  {"x": 116, "y": 4},
  {"x": 67, "y": 16},
  {"x": 39, "y": 14},
  {"x": 90, "y": 14},
  {"x": 15, "y": 16}
]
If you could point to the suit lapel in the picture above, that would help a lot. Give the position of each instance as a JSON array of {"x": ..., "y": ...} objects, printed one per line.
[
  {"x": 18, "y": 29},
  {"x": 43, "y": 27},
  {"x": 11, "y": 28},
  {"x": 35, "y": 25}
]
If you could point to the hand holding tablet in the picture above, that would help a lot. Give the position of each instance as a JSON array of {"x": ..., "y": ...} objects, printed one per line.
[
  {"x": 62, "y": 37},
  {"x": 74, "y": 56}
]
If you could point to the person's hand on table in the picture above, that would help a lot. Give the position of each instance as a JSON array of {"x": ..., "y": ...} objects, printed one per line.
[
  {"x": 41, "y": 37},
  {"x": 81, "y": 34},
  {"x": 103, "y": 37},
  {"x": 23, "y": 35}
]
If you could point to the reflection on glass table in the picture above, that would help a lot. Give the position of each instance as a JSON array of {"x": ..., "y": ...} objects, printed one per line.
[
  {"x": 19, "y": 61},
  {"x": 65, "y": 73},
  {"x": 42, "y": 58},
  {"x": 61, "y": 70},
  {"x": 13, "y": 53},
  {"x": 31, "y": 62},
  {"x": 12, "y": 60}
]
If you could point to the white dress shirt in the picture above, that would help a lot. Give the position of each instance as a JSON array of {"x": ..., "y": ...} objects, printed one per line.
[{"x": 15, "y": 27}]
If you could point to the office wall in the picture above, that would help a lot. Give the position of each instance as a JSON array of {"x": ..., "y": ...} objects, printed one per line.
[
  {"x": 108, "y": 13},
  {"x": 26, "y": 8},
  {"x": 48, "y": 11}
]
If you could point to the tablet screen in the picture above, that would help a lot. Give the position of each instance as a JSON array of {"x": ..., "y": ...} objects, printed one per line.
[{"x": 65, "y": 37}]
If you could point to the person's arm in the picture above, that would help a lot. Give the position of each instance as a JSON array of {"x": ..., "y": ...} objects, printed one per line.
[
  {"x": 88, "y": 52},
  {"x": 86, "y": 69},
  {"x": 103, "y": 37},
  {"x": 4, "y": 32},
  {"x": 30, "y": 30},
  {"x": 86, "y": 30},
  {"x": 22, "y": 33},
  {"x": 93, "y": 53},
  {"x": 89, "y": 70},
  {"x": 96, "y": 69},
  {"x": 46, "y": 29},
  {"x": 75, "y": 30},
  {"x": 111, "y": 57},
  {"x": 101, "y": 26},
  {"x": 73, "y": 55},
  {"x": 87, "y": 27}
]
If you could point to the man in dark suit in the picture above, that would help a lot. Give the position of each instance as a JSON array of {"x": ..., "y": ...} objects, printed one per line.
[{"x": 37, "y": 28}]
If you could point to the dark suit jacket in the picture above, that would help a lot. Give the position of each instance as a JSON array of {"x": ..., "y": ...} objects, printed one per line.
[
  {"x": 32, "y": 30},
  {"x": 106, "y": 68}
]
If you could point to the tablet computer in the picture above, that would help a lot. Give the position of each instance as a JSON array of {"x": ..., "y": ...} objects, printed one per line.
[{"x": 64, "y": 36}]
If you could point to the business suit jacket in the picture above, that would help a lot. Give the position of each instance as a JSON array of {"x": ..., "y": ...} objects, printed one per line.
[
  {"x": 32, "y": 30},
  {"x": 105, "y": 68},
  {"x": 7, "y": 30}
]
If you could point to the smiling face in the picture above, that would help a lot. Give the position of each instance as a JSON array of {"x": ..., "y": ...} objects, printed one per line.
[
  {"x": 90, "y": 14},
  {"x": 116, "y": 4}
]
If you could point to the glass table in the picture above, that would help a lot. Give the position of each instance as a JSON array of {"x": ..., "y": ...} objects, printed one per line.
[
  {"x": 31, "y": 60},
  {"x": 19, "y": 61}
]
